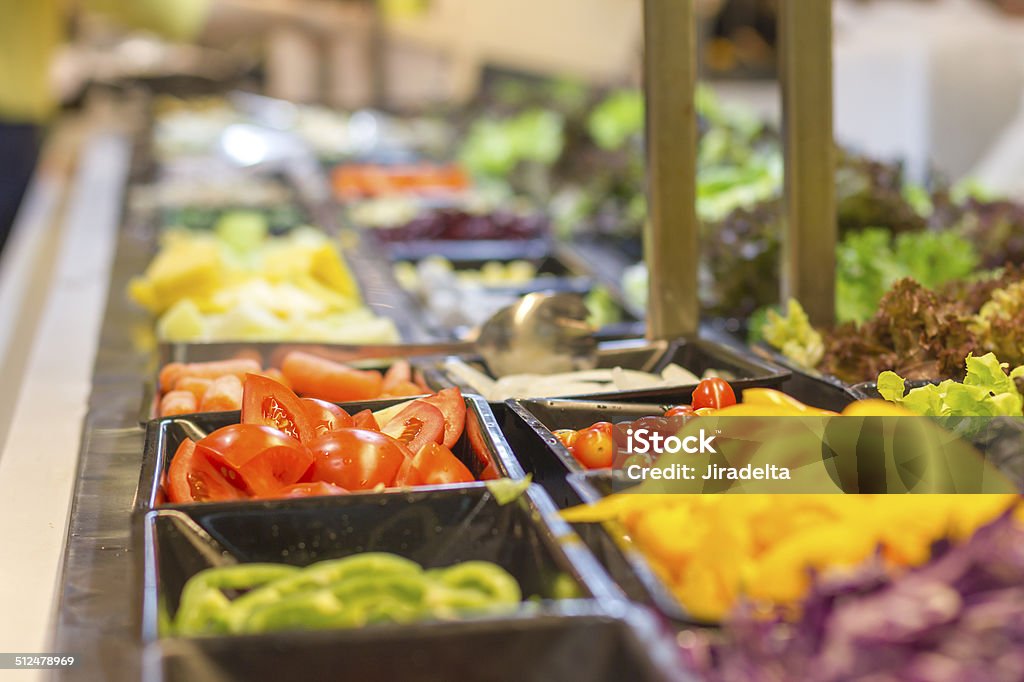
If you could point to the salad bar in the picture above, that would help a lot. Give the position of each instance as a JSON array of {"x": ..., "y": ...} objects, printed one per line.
[{"x": 299, "y": 457}]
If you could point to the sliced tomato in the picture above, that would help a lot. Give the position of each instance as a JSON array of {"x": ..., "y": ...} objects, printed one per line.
[
  {"x": 408, "y": 475},
  {"x": 365, "y": 420},
  {"x": 415, "y": 426},
  {"x": 256, "y": 458},
  {"x": 266, "y": 402},
  {"x": 490, "y": 473},
  {"x": 477, "y": 442},
  {"x": 325, "y": 416},
  {"x": 194, "y": 479},
  {"x": 436, "y": 465},
  {"x": 314, "y": 489},
  {"x": 398, "y": 373},
  {"x": 357, "y": 459},
  {"x": 453, "y": 407}
]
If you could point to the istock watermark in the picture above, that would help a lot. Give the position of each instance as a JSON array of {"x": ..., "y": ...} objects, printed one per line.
[{"x": 644, "y": 442}]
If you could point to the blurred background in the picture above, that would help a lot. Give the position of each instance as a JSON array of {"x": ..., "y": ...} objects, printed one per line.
[{"x": 535, "y": 108}]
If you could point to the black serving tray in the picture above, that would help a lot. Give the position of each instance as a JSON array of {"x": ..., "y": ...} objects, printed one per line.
[
  {"x": 281, "y": 218},
  {"x": 481, "y": 445},
  {"x": 553, "y": 274},
  {"x": 581, "y": 642},
  {"x": 528, "y": 426},
  {"x": 434, "y": 528},
  {"x": 268, "y": 354},
  {"x": 465, "y": 249},
  {"x": 810, "y": 386},
  {"x": 697, "y": 355}
]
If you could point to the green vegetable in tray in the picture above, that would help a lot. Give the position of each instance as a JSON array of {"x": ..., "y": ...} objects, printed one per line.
[
  {"x": 359, "y": 590},
  {"x": 244, "y": 231},
  {"x": 868, "y": 263},
  {"x": 987, "y": 391},
  {"x": 999, "y": 324},
  {"x": 496, "y": 147},
  {"x": 615, "y": 120},
  {"x": 602, "y": 308},
  {"x": 793, "y": 335}
]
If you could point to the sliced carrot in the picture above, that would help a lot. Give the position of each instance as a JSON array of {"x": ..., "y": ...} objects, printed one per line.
[
  {"x": 403, "y": 389},
  {"x": 250, "y": 354},
  {"x": 177, "y": 402},
  {"x": 398, "y": 373},
  {"x": 317, "y": 377},
  {"x": 225, "y": 393},
  {"x": 197, "y": 386},
  {"x": 170, "y": 374}
]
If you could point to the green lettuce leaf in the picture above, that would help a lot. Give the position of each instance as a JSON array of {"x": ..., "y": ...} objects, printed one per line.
[{"x": 987, "y": 391}]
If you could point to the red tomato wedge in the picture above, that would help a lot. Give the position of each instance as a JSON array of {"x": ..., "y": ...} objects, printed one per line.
[
  {"x": 325, "y": 416},
  {"x": 490, "y": 473},
  {"x": 408, "y": 475},
  {"x": 318, "y": 377},
  {"x": 453, "y": 408},
  {"x": 435, "y": 464},
  {"x": 365, "y": 420},
  {"x": 266, "y": 402},
  {"x": 415, "y": 426},
  {"x": 357, "y": 459},
  {"x": 194, "y": 479},
  {"x": 254, "y": 457},
  {"x": 477, "y": 442},
  {"x": 314, "y": 489}
]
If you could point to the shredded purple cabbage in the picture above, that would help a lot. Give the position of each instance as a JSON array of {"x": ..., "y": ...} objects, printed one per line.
[{"x": 958, "y": 618}]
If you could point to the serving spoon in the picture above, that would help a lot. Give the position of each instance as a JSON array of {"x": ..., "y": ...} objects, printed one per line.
[{"x": 542, "y": 333}]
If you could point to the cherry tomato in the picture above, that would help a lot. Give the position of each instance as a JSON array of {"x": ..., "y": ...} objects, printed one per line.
[
  {"x": 453, "y": 408},
  {"x": 679, "y": 411},
  {"x": 254, "y": 457},
  {"x": 567, "y": 436},
  {"x": 194, "y": 479},
  {"x": 325, "y": 416},
  {"x": 713, "y": 392},
  {"x": 314, "y": 489},
  {"x": 595, "y": 446},
  {"x": 266, "y": 402},
  {"x": 365, "y": 420},
  {"x": 415, "y": 426},
  {"x": 435, "y": 464},
  {"x": 357, "y": 459}
]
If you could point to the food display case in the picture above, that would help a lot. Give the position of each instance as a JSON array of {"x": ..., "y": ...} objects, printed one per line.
[{"x": 253, "y": 431}]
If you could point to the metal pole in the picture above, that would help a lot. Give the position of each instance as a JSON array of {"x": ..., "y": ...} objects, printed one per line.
[
  {"x": 670, "y": 235},
  {"x": 809, "y": 238}
]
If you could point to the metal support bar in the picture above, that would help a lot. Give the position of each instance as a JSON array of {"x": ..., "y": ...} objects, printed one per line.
[
  {"x": 670, "y": 235},
  {"x": 809, "y": 238}
]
